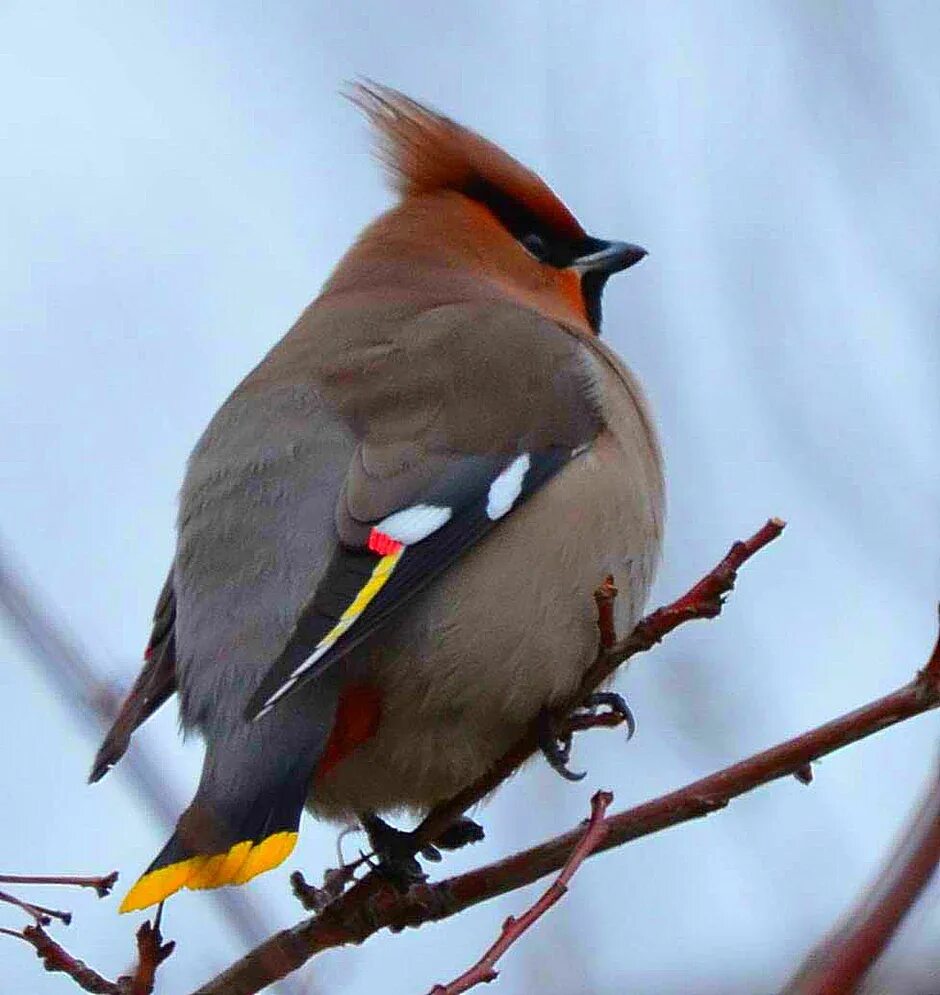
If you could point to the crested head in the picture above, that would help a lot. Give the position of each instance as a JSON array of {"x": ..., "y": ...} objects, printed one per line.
[
  {"x": 465, "y": 199},
  {"x": 425, "y": 152}
]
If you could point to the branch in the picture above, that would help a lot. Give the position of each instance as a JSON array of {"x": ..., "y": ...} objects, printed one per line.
[
  {"x": 841, "y": 961},
  {"x": 151, "y": 953},
  {"x": 77, "y": 678},
  {"x": 484, "y": 970},
  {"x": 368, "y": 907},
  {"x": 101, "y": 883},
  {"x": 704, "y": 600},
  {"x": 56, "y": 958},
  {"x": 278, "y": 957},
  {"x": 350, "y": 921},
  {"x": 151, "y": 950}
]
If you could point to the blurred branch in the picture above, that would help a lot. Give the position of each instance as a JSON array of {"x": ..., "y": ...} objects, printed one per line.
[
  {"x": 68, "y": 668},
  {"x": 839, "y": 964},
  {"x": 484, "y": 970}
]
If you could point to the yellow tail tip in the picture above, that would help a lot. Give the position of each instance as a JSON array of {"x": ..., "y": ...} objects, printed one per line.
[{"x": 242, "y": 862}]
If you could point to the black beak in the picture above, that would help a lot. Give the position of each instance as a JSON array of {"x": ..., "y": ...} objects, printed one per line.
[{"x": 606, "y": 258}]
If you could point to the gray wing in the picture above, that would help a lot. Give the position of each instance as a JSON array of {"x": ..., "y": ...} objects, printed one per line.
[{"x": 155, "y": 683}]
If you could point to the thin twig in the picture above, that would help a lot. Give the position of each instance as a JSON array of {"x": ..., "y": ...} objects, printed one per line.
[
  {"x": 702, "y": 601},
  {"x": 56, "y": 958},
  {"x": 75, "y": 675},
  {"x": 102, "y": 884},
  {"x": 151, "y": 953},
  {"x": 352, "y": 918},
  {"x": 484, "y": 970},
  {"x": 40, "y": 913}
]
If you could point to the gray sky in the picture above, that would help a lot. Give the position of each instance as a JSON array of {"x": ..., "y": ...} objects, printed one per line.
[{"x": 177, "y": 181}]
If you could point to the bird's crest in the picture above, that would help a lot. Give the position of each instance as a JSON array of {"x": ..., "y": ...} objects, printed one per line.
[{"x": 424, "y": 152}]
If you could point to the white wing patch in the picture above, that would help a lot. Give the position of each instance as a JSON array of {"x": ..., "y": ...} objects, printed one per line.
[
  {"x": 506, "y": 488},
  {"x": 411, "y": 525}
]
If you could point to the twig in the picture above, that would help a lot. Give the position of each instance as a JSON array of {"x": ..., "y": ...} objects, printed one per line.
[
  {"x": 366, "y": 908},
  {"x": 151, "y": 953},
  {"x": 56, "y": 958},
  {"x": 839, "y": 964},
  {"x": 75, "y": 675},
  {"x": 704, "y": 600},
  {"x": 604, "y": 599},
  {"x": 101, "y": 884},
  {"x": 40, "y": 913},
  {"x": 484, "y": 970}
]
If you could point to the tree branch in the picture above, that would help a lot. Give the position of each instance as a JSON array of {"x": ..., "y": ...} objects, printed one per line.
[
  {"x": 370, "y": 905},
  {"x": 483, "y": 971},
  {"x": 839, "y": 964},
  {"x": 704, "y": 600},
  {"x": 352, "y": 920},
  {"x": 151, "y": 950}
]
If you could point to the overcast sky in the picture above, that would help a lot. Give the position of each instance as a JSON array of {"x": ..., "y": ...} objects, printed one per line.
[{"x": 177, "y": 181}]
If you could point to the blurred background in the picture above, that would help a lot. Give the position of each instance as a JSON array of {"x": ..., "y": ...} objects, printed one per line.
[{"x": 177, "y": 181}]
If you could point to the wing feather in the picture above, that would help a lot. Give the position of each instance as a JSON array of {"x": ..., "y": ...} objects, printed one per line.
[{"x": 364, "y": 586}]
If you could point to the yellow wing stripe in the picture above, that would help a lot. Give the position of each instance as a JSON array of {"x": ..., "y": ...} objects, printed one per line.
[
  {"x": 380, "y": 574},
  {"x": 238, "y": 865}
]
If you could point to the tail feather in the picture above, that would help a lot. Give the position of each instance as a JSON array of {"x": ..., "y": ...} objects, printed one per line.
[{"x": 215, "y": 845}]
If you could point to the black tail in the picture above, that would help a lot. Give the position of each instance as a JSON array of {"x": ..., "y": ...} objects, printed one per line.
[{"x": 224, "y": 843}]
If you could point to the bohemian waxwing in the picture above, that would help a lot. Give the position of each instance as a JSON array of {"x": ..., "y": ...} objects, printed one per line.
[{"x": 390, "y": 533}]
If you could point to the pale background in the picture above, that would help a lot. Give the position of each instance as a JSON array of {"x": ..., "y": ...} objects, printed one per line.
[{"x": 177, "y": 181}]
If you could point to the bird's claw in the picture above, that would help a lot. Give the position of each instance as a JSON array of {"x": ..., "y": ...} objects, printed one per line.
[
  {"x": 557, "y": 749},
  {"x": 395, "y": 850},
  {"x": 617, "y": 705},
  {"x": 459, "y": 834}
]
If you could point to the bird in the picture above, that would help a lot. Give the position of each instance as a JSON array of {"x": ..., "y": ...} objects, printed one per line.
[{"x": 389, "y": 534}]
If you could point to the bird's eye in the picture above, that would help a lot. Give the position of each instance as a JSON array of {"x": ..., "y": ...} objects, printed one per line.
[{"x": 535, "y": 244}]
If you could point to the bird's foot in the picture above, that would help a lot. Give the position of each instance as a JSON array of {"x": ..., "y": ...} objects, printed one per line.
[
  {"x": 460, "y": 833},
  {"x": 616, "y": 704},
  {"x": 397, "y": 849},
  {"x": 556, "y": 745}
]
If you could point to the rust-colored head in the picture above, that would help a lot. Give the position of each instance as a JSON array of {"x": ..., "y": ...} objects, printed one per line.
[{"x": 473, "y": 216}]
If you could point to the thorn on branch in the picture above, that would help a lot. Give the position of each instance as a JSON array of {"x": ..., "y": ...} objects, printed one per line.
[{"x": 804, "y": 774}]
